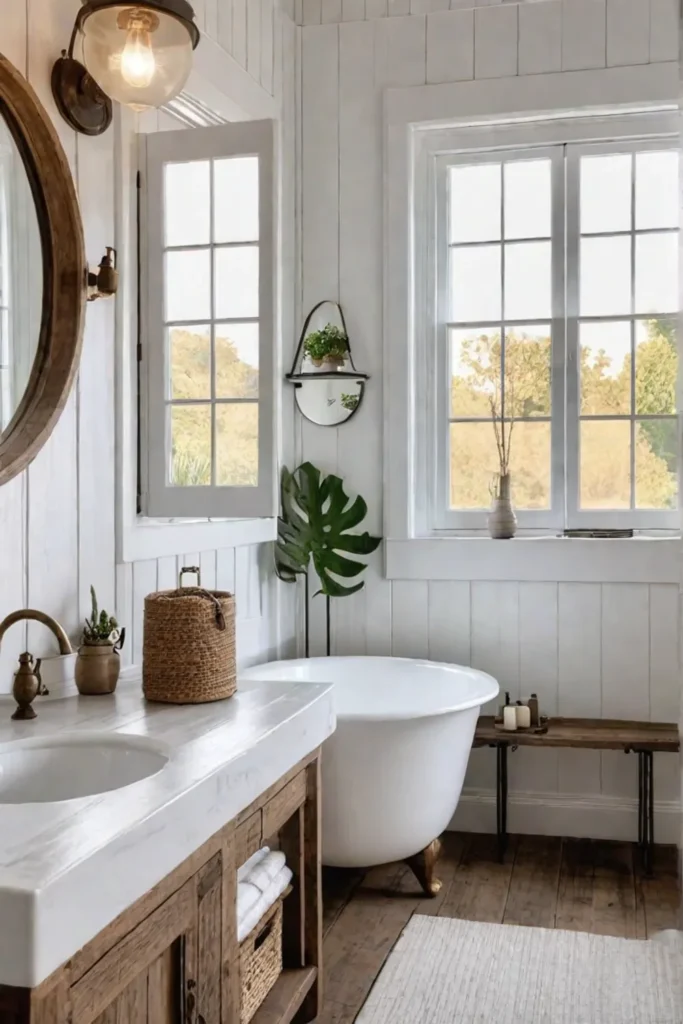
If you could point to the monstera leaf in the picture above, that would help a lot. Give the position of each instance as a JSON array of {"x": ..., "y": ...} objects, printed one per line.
[{"x": 316, "y": 517}]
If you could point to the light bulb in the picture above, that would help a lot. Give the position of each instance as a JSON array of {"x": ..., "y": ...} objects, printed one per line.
[{"x": 138, "y": 65}]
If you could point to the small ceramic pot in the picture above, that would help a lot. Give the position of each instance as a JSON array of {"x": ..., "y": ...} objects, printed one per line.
[
  {"x": 97, "y": 669},
  {"x": 502, "y": 521},
  {"x": 330, "y": 364}
]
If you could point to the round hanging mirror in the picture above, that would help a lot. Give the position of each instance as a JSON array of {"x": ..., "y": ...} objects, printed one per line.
[
  {"x": 42, "y": 275},
  {"x": 329, "y": 388}
]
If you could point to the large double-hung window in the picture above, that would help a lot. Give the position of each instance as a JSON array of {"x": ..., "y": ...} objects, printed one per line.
[{"x": 556, "y": 294}]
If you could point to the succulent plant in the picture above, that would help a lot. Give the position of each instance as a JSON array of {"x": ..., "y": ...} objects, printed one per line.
[{"x": 101, "y": 627}]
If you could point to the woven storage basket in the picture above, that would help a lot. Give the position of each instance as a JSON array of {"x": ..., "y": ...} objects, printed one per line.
[
  {"x": 260, "y": 961},
  {"x": 188, "y": 654}
]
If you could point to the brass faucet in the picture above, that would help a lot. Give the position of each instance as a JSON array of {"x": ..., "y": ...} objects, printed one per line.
[{"x": 27, "y": 682}]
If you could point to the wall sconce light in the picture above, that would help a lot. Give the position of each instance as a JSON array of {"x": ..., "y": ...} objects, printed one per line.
[
  {"x": 105, "y": 282},
  {"x": 138, "y": 54}
]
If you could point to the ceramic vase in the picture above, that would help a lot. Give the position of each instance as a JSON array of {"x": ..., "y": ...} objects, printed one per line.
[
  {"x": 502, "y": 520},
  {"x": 97, "y": 669}
]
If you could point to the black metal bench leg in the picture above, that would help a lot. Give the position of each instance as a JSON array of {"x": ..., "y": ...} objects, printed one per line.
[
  {"x": 646, "y": 808},
  {"x": 650, "y": 831},
  {"x": 502, "y": 798}
]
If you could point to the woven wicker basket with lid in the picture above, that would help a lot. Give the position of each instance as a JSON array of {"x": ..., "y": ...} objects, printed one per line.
[{"x": 188, "y": 654}]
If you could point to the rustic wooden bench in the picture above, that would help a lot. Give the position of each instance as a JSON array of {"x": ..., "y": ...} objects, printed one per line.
[{"x": 641, "y": 738}]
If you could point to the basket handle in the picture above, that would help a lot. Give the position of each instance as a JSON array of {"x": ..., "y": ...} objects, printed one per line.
[
  {"x": 186, "y": 569},
  {"x": 263, "y": 934}
]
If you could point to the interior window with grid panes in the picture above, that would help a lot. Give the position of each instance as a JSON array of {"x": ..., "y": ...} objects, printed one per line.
[
  {"x": 212, "y": 321},
  {"x": 558, "y": 285}
]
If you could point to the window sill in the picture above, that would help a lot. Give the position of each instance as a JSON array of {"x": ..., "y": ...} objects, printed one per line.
[
  {"x": 154, "y": 538},
  {"x": 642, "y": 559}
]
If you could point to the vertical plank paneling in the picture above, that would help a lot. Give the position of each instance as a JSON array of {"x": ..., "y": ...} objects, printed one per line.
[
  {"x": 450, "y": 46},
  {"x": 378, "y": 613},
  {"x": 664, "y": 680},
  {"x": 144, "y": 583},
  {"x": 225, "y": 569},
  {"x": 495, "y": 634},
  {"x": 628, "y": 32},
  {"x": 96, "y": 439},
  {"x": 401, "y": 51},
  {"x": 583, "y": 34},
  {"x": 207, "y": 562},
  {"x": 124, "y": 608},
  {"x": 540, "y": 37},
  {"x": 579, "y": 678},
  {"x": 254, "y": 39},
  {"x": 267, "y": 45},
  {"x": 625, "y": 673},
  {"x": 410, "y": 619},
  {"x": 449, "y": 622},
  {"x": 538, "y": 671},
  {"x": 360, "y": 293},
  {"x": 239, "y": 31},
  {"x": 225, "y": 24},
  {"x": 331, "y": 12},
  {"x": 167, "y": 573},
  {"x": 320, "y": 186}
]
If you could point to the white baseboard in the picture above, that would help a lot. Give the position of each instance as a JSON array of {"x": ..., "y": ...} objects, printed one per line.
[{"x": 559, "y": 814}]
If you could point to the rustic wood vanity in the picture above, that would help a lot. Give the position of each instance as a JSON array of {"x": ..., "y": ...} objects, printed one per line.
[{"x": 172, "y": 954}]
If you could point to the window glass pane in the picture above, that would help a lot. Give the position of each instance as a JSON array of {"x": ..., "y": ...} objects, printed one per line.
[
  {"x": 473, "y": 464},
  {"x": 657, "y": 273},
  {"x": 475, "y": 203},
  {"x": 237, "y": 357},
  {"x": 190, "y": 361},
  {"x": 475, "y": 371},
  {"x": 475, "y": 283},
  {"x": 656, "y": 464},
  {"x": 606, "y": 192},
  {"x": 656, "y": 366},
  {"x": 191, "y": 445},
  {"x": 527, "y": 281},
  {"x": 605, "y": 276},
  {"x": 527, "y": 371},
  {"x": 235, "y": 200},
  {"x": 605, "y": 368},
  {"x": 527, "y": 199},
  {"x": 657, "y": 190},
  {"x": 188, "y": 285},
  {"x": 530, "y": 465},
  {"x": 237, "y": 282},
  {"x": 187, "y": 223},
  {"x": 237, "y": 445},
  {"x": 605, "y": 464}
]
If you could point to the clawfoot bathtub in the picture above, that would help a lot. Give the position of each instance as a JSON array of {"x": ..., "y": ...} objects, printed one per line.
[{"x": 393, "y": 771}]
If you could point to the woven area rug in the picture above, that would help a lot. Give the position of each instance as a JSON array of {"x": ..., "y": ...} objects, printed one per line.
[{"x": 446, "y": 971}]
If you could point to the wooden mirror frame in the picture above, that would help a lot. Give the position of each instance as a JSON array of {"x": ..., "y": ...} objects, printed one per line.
[{"x": 64, "y": 273}]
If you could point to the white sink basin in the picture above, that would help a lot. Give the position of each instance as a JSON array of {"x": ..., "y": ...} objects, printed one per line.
[{"x": 55, "y": 768}]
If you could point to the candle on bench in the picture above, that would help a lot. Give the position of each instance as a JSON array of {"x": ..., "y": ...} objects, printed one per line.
[
  {"x": 523, "y": 716},
  {"x": 510, "y": 717}
]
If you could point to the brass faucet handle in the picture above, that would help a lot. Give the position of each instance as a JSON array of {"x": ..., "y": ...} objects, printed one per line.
[{"x": 27, "y": 685}]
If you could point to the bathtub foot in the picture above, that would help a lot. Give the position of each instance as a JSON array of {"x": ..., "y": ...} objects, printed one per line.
[{"x": 423, "y": 865}]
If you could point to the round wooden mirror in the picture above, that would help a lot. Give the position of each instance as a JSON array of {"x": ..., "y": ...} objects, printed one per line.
[{"x": 42, "y": 275}]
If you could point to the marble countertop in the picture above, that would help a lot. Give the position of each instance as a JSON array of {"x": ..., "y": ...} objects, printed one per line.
[{"x": 68, "y": 869}]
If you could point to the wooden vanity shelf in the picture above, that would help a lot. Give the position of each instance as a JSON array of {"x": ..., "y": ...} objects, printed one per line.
[{"x": 173, "y": 955}]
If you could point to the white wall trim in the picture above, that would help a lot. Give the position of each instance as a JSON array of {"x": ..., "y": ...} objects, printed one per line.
[
  {"x": 414, "y": 123},
  {"x": 535, "y": 559},
  {"x": 219, "y": 82},
  {"x": 552, "y": 814}
]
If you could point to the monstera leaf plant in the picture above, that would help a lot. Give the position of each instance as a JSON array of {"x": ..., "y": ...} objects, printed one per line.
[{"x": 315, "y": 526}]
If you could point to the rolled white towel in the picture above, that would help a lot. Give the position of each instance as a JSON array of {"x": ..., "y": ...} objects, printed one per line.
[
  {"x": 265, "y": 870},
  {"x": 249, "y": 865},
  {"x": 274, "y": 890},
  {"x": 247, "y": 896}
]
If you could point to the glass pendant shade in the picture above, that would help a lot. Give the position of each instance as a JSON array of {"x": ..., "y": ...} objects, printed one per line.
[{"x": 139, "y": 55}]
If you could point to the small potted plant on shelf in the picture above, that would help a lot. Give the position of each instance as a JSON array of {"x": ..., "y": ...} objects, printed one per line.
[
  {"x": 327, "y": 348},
  {"x": 98, "y": 664}
]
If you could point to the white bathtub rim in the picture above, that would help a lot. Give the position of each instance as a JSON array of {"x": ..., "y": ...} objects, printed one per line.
[{"x": 490, "y": 690}]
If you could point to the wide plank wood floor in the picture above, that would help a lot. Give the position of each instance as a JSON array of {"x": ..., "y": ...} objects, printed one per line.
[{"x": 575, "y": 884}]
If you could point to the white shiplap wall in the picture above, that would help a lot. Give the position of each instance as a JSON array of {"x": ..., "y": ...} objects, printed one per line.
[
  {"x": 587, "y": 648},
  {"x": 57, "y": 532}
]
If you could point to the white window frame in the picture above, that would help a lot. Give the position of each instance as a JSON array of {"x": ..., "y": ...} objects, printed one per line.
[
  {"x": 417, "y": 131},
  {"x": 441, "y": 516}
]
